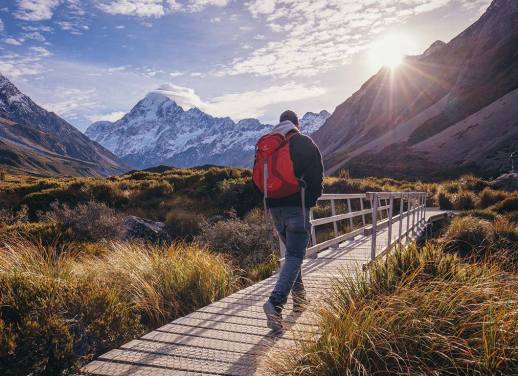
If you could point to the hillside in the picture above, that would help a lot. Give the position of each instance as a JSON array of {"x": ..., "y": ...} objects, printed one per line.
[
  {"x": 159, "y": 131},
  {"x": 35, "y": 141},
  {"x": 448, "y": 111}
]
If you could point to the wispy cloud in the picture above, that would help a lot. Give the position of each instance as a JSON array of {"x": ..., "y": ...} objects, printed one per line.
[
  {"x": 13, "y": 41},
  {"x": 155, "y": 8},
  {"x": 241, "y": 105},
  {"x": 111, "y": 116},
  {"x": 314, "y": 36}
]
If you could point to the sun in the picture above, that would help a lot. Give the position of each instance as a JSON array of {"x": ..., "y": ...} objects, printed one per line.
[{"x": 390, "y": 50}]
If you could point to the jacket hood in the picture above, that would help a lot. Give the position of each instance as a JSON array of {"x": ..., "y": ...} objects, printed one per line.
[{"x": 285, "y": 127}]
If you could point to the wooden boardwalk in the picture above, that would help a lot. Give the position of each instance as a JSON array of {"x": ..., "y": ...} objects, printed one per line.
[{"x": 229, "y": 337}]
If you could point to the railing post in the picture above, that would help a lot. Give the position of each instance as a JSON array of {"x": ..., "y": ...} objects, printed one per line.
[
  {"x": 413, "y": 216},
  {"x": 313, "y": 235},
  {"x": 424, "y": 208},
  {"x": 362, "y": 208},
  {"x": 391, "y": 204},
  {"x": 408, "y": 205},
  {"x": 351, "y": 223},
  {"x": 333, "y": 213},
  {"x": 374, "y": 206},
  {"x": 401, "y": 206}
]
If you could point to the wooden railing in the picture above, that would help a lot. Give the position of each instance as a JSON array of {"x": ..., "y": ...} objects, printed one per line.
[{"x": 376, "y": 210}]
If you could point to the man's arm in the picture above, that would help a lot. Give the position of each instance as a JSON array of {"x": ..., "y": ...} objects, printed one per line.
[{"x": 307, "y": 163}]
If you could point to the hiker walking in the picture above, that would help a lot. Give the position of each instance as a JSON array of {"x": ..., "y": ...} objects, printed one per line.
[{"x": 288, "y": 171}]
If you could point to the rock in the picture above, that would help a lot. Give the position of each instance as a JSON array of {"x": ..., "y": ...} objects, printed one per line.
[
  {"x": 507, "y": 182},
  {"x": 140, "y": 228}
]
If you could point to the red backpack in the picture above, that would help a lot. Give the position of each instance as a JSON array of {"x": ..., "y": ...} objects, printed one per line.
[{"x": 273, "y": 170}]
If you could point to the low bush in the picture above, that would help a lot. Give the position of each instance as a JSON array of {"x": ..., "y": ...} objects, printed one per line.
[
  {"x": 508, "y": 205},
  {"x": 12, "y": 217},
  {"x": 464, "y": 200},
  {"x": 45, "y": 233},
  {"x": 490, "y": 197},
  {"x": 87, "y": 222},
  {"x": 249, "y": 242},
  {"x": 468, "y": 235},
  {"x": 444, "y": 201},
  {"x": 183, "y": 224}
]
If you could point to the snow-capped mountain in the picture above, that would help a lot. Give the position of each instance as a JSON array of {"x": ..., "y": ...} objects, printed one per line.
[
  {"x": 33, "y": 140},
  {"x": 159, "y": 131}
]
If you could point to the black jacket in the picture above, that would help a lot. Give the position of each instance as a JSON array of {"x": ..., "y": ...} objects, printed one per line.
[{"x": 307, "y": 163}]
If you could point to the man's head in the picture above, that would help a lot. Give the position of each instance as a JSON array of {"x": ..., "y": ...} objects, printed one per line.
[{"x": 291, "y": 116}]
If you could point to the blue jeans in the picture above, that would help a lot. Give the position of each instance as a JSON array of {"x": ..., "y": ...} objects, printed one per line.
[{"x": 289, "y": 223}]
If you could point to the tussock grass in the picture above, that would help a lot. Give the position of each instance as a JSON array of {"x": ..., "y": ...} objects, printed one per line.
[
  {"x": 59, "y": 308},
  {"x": 418, "y": 313}
]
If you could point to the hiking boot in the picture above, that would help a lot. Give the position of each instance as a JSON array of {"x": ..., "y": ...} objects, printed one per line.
[
  {"x": 273, "y": 317},
  {"x": 300, "y": 302}
]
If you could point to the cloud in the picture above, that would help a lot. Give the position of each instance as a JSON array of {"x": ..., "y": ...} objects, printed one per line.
[
  {"x": 13, "y": 41},
  {"x": 155, "y": 8},
  {"x": 241, "y": 105},
  {"x": 112, "y": 116},
  {"x": 68, "y": 101},
  {"x": 27, "y": 64},
  {"x": 36, "y": 10},
  {"x": 314, "y": 36},
  {"x": 2, "y": 27}
]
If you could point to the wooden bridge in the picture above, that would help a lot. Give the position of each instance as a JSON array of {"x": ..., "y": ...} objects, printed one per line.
[{"x": 230, "y": 337}]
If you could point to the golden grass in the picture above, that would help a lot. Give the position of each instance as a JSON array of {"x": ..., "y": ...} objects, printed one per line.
[
  {"x": 419, "y": 313},
  {"x": 60, "y": 308}
]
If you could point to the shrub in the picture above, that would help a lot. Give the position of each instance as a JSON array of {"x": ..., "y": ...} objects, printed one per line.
[
  {"x": 45, "y": 233},
  {"x": 464, "y": 200},
  {"x": 490, "y": 197},
  {"x": 508, "y": 205},
  {"x": 87, "y": 222},
  {"x": 467, "y": 235},
  {"x": 486, "y": 214},
  {"x": 248, "y": 241},
  {"x": 152, "y": 191},
  {"x": 12, "y": 217},
  {"x": 183, "y": 223},
  {"x": 444, "y": 201},
  {"x": 109, "y": 194},
  {"x": 473, "y": 183}
]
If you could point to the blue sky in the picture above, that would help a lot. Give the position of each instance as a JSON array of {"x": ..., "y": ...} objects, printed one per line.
[{"x": 93, "y": 60}]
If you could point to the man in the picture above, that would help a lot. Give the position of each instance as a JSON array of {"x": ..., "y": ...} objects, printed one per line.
[{"x": 291, "y": 213}]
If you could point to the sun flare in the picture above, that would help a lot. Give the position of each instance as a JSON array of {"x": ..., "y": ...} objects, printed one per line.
[{"x": 390, "y": 50}]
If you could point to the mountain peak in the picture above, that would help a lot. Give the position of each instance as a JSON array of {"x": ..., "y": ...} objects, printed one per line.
[{"x": 434, "y": 47}]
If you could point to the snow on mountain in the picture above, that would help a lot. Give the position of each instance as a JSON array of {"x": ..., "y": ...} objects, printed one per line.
[
  {"x": 159, "y": 131},
  {"x": 311, "y": 122}
]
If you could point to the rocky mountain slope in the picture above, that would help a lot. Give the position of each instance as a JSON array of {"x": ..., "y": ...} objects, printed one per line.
[
  {"x": 448, "y": 111},
  {"x": 35, "y": 141},
  {"x": 158, "y": 131}
]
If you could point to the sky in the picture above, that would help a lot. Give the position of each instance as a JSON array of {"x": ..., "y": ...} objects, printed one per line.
[{"x": 94, "y": 60}]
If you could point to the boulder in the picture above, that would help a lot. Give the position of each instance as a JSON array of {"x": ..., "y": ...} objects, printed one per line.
[
  {"x": 507, "y": 182},
  {"x": 144, "y": 229}
]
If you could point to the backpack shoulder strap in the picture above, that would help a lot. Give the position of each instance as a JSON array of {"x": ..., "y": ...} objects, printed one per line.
[{"x": 291, "y": 133}]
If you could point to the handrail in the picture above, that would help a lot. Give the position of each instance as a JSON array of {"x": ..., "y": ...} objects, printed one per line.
[{"x": 413, "y": 202}]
